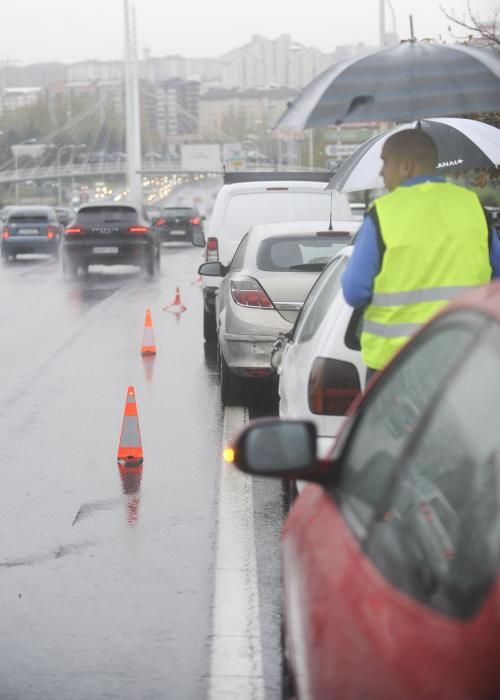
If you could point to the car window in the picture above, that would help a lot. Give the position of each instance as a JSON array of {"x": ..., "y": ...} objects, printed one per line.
[
  {"x": 180, "y": 211},
  {"x": 239, "y": 256},
  {"x": 35, "y": 218},
  {"x": 318, "y": 302},
  {"x": 386, "y": 423},
  {"x": 299, "y": 253},
  {"x": 440, "y": 537},
  {"x": 106, "y": 214}
]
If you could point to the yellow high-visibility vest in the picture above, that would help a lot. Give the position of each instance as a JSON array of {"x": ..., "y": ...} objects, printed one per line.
[{"x": 435, "y": 239}]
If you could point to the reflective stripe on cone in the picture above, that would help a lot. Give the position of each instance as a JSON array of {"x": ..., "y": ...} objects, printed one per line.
[
  {"x": 130, "y": 448},
  {"x": 148, "y": 339}
]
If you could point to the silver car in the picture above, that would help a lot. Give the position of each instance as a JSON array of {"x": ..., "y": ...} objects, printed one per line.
[{"x": 263, "y": 290}]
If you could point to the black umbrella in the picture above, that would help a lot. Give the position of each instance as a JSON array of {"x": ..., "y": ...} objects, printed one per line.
[
  {"x": 462, "y": 144},
  {"x": 412, "y": 80}
]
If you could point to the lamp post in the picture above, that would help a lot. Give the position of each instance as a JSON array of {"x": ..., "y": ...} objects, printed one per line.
[
  {"x": 16, "y": 163},
  {"x": 78, "y": 147},
  {"x": 60, "y": 150}
]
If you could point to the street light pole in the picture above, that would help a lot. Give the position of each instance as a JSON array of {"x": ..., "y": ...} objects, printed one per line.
[{"x": 58, "y": 163}]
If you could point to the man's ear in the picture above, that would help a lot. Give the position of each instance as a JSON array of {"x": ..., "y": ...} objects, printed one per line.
[{"x": 407, "y": 167}]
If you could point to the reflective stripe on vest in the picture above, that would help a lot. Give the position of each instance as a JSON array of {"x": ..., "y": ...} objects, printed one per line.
[{"x": 435, "y": 240}]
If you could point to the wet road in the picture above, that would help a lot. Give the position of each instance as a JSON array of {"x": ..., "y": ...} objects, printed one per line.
[{"x": 108, "y": 579}]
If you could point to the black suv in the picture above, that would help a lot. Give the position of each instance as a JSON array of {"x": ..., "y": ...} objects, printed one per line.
[
  {"x": 178, "y": 223},
  {"x": 110, "y": 233}
]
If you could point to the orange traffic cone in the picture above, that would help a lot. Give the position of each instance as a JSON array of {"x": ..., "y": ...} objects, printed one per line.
[
  {"x": 148, "y": 339},
  {"x": 130, "y": 447},
  {"x": 176, "y": 306}
]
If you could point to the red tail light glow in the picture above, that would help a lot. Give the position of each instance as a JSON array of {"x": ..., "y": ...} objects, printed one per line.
[
  {"x": 161, "y": 222},
  {"x": 138, "y": 229},
  {"x": 5, "y": 233},
  {"x": 195, "y": 221},
  {"x": 74, "y": 230},
  {"x": 247, "y": 292},
  {"x": 333, "y": 386},
  {"x": 51, "y": 232},
  {"x": 212, "y": 250}
]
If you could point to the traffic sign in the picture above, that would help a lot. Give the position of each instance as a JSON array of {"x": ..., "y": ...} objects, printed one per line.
[{"x": 340, "y": 150}]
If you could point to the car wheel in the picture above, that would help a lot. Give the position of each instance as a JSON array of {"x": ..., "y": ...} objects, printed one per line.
[
  {"x": 209, "y": 327},
  {"x": 231, "y": 388},
  {"x": 6, "y": 257},
  {"x": 69, "y": 266},
  {"x": 151, "y": 263}
]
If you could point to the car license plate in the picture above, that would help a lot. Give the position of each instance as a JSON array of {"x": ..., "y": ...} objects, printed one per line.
[
  {"x": 178, "y": 233},
  {"x": 105, "y": 250},
  {"x": 28, "y": 231}
]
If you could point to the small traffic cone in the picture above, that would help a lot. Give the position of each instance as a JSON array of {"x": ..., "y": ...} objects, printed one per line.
[
  {"x": 176, "y": 306},
  {"x": 130, "y": 447},
  {"x": 148, "y": 339}
]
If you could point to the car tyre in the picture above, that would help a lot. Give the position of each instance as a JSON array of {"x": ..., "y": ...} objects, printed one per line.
[
  {"x": 69, "y": 266},
  {"x": 231, "y": 386},
  {"x": 209, "y": 327},
  {"x": 152, "y": 262}
]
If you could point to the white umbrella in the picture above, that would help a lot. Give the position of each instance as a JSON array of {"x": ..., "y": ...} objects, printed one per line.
[{"x": 463, "y": 144}]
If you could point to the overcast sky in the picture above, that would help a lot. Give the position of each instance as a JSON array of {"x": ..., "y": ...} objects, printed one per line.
[{"x": 73, "y": 30}]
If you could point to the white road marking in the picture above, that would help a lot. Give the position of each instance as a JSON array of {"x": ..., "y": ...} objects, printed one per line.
[{"x": 236, "y": 668}]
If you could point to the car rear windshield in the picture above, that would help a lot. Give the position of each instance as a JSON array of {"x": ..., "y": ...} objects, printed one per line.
[
  {"x": 107, "y": 215},
  {"x": 177, "y": 212},
  {"x": 36, "y": 218},
  {"x": 308, "y": 253}
]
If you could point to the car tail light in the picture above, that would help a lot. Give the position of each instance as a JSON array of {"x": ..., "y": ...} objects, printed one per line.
[
  {"x": 161, "y": 222},
  {"x": 212, "y": 250},
  {"x": 333, "y": 386},
  {"x": 5, "y": 233},
  {"x": 138, "y": 229},
  {"x": 51, "y": 232},
  {"x": 247, "y": 292},
  {"x": 195, "y": 221},
  {"x": 74, "y": 231}
]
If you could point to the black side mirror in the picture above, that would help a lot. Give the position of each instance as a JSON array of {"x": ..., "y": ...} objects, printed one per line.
[
  {"x": 199, "y": 239},
  {"x": 279, "y": 448},
  {"x": 212, "y": 269}
]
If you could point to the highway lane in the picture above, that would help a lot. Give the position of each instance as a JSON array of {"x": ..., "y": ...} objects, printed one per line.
[{"x": 108, "y": 580}]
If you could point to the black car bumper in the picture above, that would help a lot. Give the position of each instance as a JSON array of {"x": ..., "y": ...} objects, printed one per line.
[{"x": 109, "y": 252}]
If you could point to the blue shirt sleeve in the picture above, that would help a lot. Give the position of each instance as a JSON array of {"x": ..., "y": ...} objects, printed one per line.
[
  {"x": 494, "y": 253},
  {"x": 363, "y": 267}
]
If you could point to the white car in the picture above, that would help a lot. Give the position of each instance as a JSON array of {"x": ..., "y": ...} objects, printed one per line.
[
  {"x": 319, "y": 364},
  {"x": 247, "y": 199}
]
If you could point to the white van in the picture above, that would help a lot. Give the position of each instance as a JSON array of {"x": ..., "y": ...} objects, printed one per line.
[{"x": 247, "y": 199}]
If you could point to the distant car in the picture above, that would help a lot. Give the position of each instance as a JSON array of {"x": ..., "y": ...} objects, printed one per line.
[
  {"x": 263, "y": 290},
  {"x": 250, "y": 198},
  {"x": 110, "y": 233},
  {"x": 178, "y": 223},
  {"x": 31, "y": 229},
  {"x": 391, "y": 555},
  {"x": 319, "y": 362}
]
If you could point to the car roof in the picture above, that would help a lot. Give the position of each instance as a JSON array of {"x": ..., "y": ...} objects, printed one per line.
[
  {"x": 300, "y": 228},
  {"x": 265, "y": 185},
  {"x": 31, "y": 208},
  {"x": 95, "y": 203}
]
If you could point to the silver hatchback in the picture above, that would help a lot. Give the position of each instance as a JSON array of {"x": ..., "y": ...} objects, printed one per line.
[{"x": 263, "y": 290}]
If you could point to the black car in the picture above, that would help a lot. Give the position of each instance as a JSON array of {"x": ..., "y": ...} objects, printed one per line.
[
  {"x": 31, "y": 229},
  {"x": 178, "y": 223},
  {"x": 110, "y": 233}
]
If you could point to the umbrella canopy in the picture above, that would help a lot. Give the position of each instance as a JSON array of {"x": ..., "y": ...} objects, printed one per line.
[
  {"x": 409, "y": 81},
  {"x": 462, "y": 144}
]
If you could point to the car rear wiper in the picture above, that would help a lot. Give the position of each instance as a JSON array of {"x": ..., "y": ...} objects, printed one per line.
[{"x": 313, "y": 266}]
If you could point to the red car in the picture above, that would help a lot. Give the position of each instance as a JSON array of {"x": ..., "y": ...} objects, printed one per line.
[{"x": 391, "y": 558}]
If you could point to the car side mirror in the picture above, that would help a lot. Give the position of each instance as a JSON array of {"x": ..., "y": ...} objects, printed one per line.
[
  {"x": 277, "y": 350},
  {"x": 212, "y": 269},
  {"x": 278, "y": 448},
  {"x": 199, "y": 239}
]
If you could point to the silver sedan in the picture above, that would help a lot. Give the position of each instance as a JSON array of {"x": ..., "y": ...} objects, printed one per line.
[{"x": 263, "y": 291}]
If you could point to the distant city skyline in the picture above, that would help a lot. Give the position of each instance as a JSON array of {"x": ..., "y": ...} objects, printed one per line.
[{"x": 76, "y": 31}]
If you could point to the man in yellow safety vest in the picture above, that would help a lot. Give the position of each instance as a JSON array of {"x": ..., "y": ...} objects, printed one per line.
[{"x": 419, "y": 246}]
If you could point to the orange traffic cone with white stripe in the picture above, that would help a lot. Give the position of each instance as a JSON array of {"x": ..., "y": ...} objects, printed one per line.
[
  {"x": 130, "y": 447},
  {"x": 176, "y": 306},
  {"x": 148, "y": 339}
]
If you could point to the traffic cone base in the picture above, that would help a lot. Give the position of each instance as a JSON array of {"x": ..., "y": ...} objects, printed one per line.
[
  {"x": 176, "y": 306},
  {"x": 148, "y": 339},
  {"x": 130, "y": 448}
]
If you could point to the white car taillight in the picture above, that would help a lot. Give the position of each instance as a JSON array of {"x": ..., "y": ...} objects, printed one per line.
[
  {"x": 212, "y": 250},
  {"x": 247, "y": 292},
  {"x": 333, "y": 386}
]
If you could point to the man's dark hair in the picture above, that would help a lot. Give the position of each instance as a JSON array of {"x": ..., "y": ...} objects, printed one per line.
[{"x": 414, "y": 144}]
